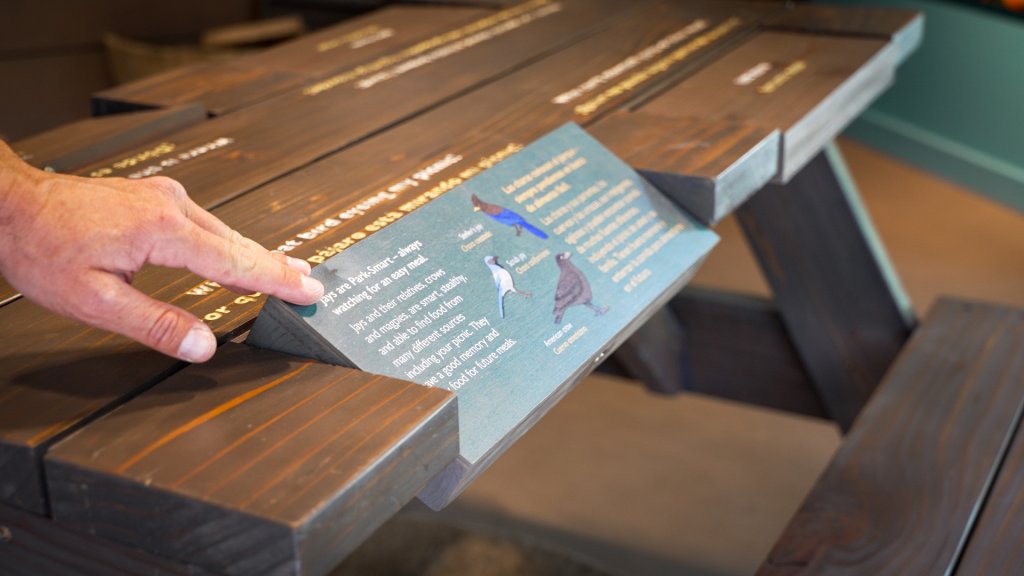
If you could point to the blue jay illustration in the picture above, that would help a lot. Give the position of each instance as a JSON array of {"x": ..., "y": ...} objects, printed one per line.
[
  {"x": 506, "y": 217},
  {"x": 502, "y": 282}
]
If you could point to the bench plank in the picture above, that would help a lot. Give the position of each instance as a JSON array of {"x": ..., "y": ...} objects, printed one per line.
[
  {"x": 995, "y": 544},
  {"x": 901, "y": 493},
  {"x": 254, "y": 463}
]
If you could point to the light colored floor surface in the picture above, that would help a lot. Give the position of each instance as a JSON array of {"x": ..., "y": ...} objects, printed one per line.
[{"x": 642, "y": 484}]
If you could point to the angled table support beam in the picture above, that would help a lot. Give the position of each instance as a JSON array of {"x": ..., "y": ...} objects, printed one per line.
[{"x": 840, "y": 301}]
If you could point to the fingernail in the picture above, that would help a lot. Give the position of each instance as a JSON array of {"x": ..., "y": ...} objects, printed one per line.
[
  {"x": 312, "y": 286},
  {"x": 300, "y": 266},
  {"x": 198, "y": 345}
]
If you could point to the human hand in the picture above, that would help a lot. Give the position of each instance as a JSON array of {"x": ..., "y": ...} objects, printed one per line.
[{"x": 73, "y": 244}]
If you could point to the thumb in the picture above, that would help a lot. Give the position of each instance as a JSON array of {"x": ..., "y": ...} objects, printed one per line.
[{"x": 117, "y": 307}]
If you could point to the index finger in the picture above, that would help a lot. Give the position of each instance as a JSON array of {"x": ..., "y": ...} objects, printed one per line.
[{"x": 233, "y": 262}]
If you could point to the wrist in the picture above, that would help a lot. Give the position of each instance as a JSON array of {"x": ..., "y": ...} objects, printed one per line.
[
  {"x": 21, "y": 190},
  {"x": 18, "y": 181}
]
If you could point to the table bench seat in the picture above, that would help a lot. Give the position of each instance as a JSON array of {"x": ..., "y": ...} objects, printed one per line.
[{"x": 909, "y": 491}]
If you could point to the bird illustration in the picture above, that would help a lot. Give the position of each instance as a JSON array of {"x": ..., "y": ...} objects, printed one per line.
[
  {"x": 503, "y": 282},
  {"x": 573, "y": 288},
  {"x": 506, "y": 217}
]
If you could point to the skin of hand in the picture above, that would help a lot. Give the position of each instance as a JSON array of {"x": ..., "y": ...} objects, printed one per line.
[{"x": 72, "y": 245}]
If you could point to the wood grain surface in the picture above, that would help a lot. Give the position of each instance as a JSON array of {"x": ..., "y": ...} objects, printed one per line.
[
  {"x": 842, "y": 310},
  {"x": 809, "y": 87},
  {"x": 720, "y": 328},
  {"x": 222, "y": 87},
  {"x": 904, "y": 28},
  {"x": 230, "y": 155},
  {"x": 655, "y": 353},
  {"x": 995, "y": 543},
  {"x": 76, "y": 145},
  {"x": 902, "y": 492},
  {"x": 709, "y": 167},
  {"x": 994, "y": 546},
  {"x": 869, "y": 21},
  {"x": 254, "y": 463},
  {"x": 56, "y": 375},
  {"x": 45, "y": 357},
  {"x": 37, "y": 546}
]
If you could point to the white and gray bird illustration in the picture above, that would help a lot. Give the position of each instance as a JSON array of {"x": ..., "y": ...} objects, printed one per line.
[{"x": 502, "y": 282}]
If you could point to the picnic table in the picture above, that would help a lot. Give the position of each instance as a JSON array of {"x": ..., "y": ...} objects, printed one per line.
[{"x": 115, "y": 458}]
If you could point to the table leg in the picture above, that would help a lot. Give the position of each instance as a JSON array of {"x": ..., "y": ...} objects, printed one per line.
[{"x": 842, "y": 305}]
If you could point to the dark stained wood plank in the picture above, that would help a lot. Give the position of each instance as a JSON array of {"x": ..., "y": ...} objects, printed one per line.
[
  {"x": 736, "y": 347},
  {"x": 901, "y": 494},
  {"x": 708, "y": 167},
  {"x": 35, "y": 546},
  {"x": 228, "y": 156},
  {"x": 654, "y": 354},
  {"x": 995, "y": 544},
  {"x": 76, "y": 145},
  {"x": 809, "y": 87},
  {"x": 45, "y": 358},
  {"x": 254, "y": 463},
  {"x": 845, "y": 312},
  {"x": 54, "y": 380},
  {"x": 905, "y": 28},
  {"x": 222, "y": 87}
]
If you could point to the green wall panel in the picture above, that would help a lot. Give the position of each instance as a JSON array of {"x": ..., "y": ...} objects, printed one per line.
[{"x": 957, "y": 108}]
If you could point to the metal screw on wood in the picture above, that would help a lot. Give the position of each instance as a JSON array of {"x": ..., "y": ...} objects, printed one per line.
[{"x": 5, "y": 534}]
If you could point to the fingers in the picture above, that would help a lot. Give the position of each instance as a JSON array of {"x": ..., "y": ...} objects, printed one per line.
[
  {"x": 112, "y": 305},
  {"x": 300, "y": 266},
  {"x": 211, "y": 248},
  {"x": 243, "y": 265},
  {"x": 196, "y": 213}
]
